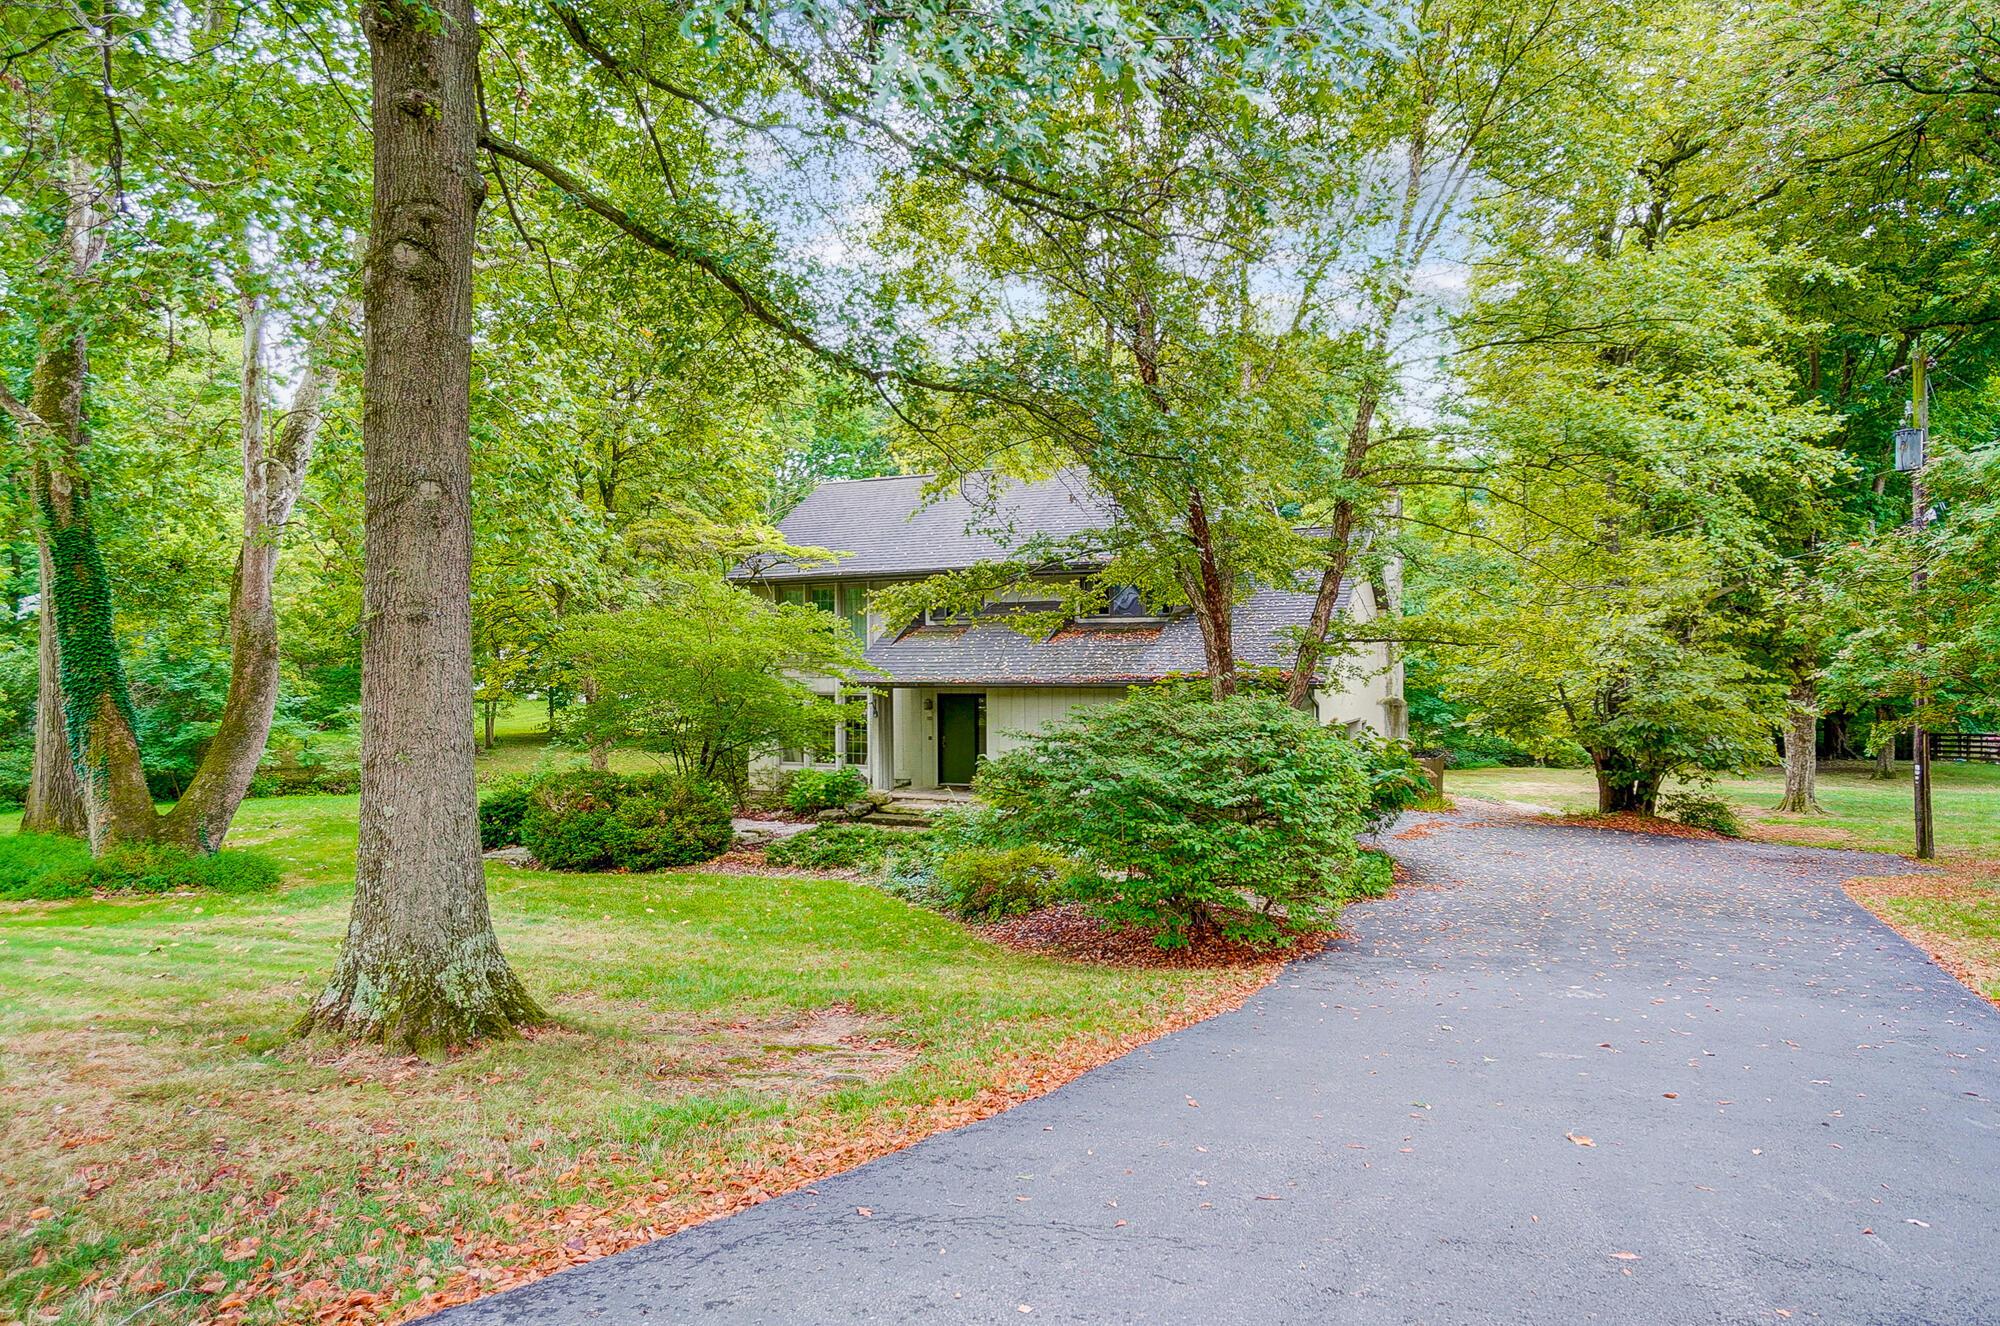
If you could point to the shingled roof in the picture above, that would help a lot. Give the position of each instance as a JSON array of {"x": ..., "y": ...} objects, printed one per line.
[
  {"x": 992, "y": 655},
  {"x": 888, "y": 528}
]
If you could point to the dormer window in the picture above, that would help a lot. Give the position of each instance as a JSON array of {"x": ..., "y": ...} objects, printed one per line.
[
  {"x": 1124, "y": 601},
  {"x": 1124, "y": 605}
]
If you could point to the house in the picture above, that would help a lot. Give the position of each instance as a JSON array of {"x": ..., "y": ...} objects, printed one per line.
[{"x": 950, "y": 691}]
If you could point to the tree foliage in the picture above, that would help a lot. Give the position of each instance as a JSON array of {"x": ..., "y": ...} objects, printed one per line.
[{"x": 710, "y": 676}]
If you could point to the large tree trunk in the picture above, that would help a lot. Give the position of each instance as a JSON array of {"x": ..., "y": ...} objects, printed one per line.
[
  {"x": 1885, "y": 750},
  {"x": 1623, "y": 787},
  {"x": 1801, "y": 756},
  {"x": 98, "y": 724},
  {"x": 273, "y": 475},
  {"x": 55, "y": 398},
  {"x": 98, "y": 717},
  {"x": 55, "y": 797},
  {"x": 421, "y": 967}
]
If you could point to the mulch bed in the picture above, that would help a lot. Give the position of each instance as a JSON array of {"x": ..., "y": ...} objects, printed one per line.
[
  {"x": 1071, "y": 931},
  {"x": 1629, "y": 822}
]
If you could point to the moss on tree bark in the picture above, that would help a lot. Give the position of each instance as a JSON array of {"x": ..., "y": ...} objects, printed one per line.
[{"x": 421, "y": 967}]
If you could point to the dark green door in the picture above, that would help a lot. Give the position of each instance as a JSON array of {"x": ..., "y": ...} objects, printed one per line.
[{"x": 961, "y": 736}]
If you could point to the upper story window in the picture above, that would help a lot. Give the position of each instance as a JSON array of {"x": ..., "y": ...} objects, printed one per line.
[
  {"x": 1125, "y": 604},
  {"x": 1124, "y": 601},
  {"x": 850, "y": 601}
]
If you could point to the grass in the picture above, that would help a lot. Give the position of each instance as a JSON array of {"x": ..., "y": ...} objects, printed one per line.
[
  {"x": 1862, "y": 811},
  {"x": 1952, "y": 914},
  {"x": 718, "y": 1038},
  {"x": 521, "y": 746}
]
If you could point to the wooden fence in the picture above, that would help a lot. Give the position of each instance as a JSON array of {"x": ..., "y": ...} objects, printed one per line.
[{"x": 1981, "y": 746}]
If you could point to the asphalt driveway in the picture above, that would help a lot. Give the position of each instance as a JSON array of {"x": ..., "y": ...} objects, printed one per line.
[{"x": 1570, "y": 1076}]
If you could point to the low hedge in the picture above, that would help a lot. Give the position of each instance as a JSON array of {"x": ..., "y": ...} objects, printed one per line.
[
  {"x": 591, "y": 820},
  {"x": 501, "y": 811},
  {"x": 991, "y": 884},
  {"x": 813, "y": 790}
]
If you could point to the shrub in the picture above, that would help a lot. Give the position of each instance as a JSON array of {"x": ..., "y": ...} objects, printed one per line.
[
  {"x": 1396, "y": 782},
  {"x": 568, "y": 824},
  {"x": 665, "y": 820},
  {"x": 1701, "y": 811},
  {"x": 591, "y": 820},
  {"x": 67, "y": 870},
  {"x": 1189, "y": 813},
  {"x": 837, "y": 847},
  {"x": 824, "y": 789},
  {"x": 501, "y": 811},
  {"x": 989, "y": 884},
  {"x": 1374, "y": 874}
]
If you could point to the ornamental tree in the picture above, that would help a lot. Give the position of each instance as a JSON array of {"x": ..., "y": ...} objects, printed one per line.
[{"x": 710, "y": 677}]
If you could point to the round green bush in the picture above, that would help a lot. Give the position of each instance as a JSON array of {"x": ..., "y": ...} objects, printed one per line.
[
  {"x": 824, "y": 789},
  {"x": 591, "y": 820},
  {"x": 665, "y": 821},
  {"x": 989, "y": 884},
  {"x": 1701, "y": 811},
  {"x": 569, "y": 824},
  {"x": 1189, "y": 813},
  {"x": 501, "y": 811}
]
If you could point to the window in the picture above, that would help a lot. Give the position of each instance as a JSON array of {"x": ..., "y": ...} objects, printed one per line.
[
  {"x": 857, "y": 741},
  {"x": 791, "y": 594},
  {"x": 1124, "y": 601},
  {"x": 854, "y": 607},
  {"x": 821, "y": 597}
]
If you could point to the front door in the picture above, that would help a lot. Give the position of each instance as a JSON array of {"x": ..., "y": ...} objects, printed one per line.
[{"x": 961, "y": 736}]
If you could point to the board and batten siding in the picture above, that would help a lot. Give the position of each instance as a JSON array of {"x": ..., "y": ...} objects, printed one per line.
[{"x": 1012, "y": 713}]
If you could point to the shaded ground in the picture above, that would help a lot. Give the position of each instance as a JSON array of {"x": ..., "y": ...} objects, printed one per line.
[
  {"x": 1568, "y": 1075},
  {"x": 169, "y": 1154}
]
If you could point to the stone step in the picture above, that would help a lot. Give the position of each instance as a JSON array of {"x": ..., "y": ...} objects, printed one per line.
[{"x": 897, "y": 818}]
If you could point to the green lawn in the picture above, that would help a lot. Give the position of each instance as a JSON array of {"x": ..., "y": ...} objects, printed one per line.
[
  {"x": 521, "y": 746},
  {"x": 1862, "y": 811},
  {"x": 163, "y": 1135}
]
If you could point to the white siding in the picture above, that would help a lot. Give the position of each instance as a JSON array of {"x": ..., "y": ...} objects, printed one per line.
[
  {"x": 1012, "y": 713},
  {"x": 1365, "y": 682}
]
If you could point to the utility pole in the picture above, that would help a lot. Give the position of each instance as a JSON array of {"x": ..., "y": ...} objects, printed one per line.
[{"x": 1920, "y": 741}]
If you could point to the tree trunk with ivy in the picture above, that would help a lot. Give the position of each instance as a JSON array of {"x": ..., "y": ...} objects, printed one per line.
[
  {"x": 55, "y": 798},
  {"x": 274, "y": 472},
  {"x": 98, "y": 725},
  {"x": 53, "y": 426},
  {"x": 98, "y": 719},
  {"x": 421, "y": 967}
]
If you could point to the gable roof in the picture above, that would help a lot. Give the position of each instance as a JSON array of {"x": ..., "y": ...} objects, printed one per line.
[
  {"x": 994, "y": 655},
  {"x": 887, "y": 528}
]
